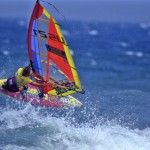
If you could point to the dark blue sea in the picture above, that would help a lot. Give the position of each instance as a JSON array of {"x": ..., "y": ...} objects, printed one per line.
[{"x": 113, "y": 62}]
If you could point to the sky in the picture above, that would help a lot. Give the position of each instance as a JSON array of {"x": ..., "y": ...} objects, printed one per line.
[{"x": 99, "y": 10}]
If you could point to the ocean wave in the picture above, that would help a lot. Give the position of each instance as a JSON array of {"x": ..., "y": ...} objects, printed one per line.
[
  {"x": 132, "y": 53},
  {"x": 39, "y": 132}
]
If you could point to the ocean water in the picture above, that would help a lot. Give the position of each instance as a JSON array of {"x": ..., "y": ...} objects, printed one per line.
[{"x": 113, "y": 62}]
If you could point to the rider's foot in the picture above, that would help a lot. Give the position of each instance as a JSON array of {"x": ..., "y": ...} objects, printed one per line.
[
  {"x": 41, "y": 95},
  {"x": 23, "y": 94}
]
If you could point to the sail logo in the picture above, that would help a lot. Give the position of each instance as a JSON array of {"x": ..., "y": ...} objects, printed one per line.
[
  {"x": 56, "y": 51},
  {"x": 42, "y": 34}
]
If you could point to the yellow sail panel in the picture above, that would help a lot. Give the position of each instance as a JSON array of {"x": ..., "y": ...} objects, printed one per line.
[
  {"x": 69, "y": 57},
  {"x": 46, "y": 13}
]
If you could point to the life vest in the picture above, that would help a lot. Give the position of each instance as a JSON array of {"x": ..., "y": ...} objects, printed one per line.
[{"x": 20, "y": 79}]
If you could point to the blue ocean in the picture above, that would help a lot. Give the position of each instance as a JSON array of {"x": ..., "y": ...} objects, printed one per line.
[{"x": 113, "y": 62}]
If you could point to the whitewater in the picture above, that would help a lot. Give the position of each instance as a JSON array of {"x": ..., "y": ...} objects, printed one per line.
[{"x": 30, "y": 128}]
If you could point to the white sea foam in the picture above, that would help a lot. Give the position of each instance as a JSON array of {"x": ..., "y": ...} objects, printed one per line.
[
  {"x": 57, "y": 134},
  {"x": 130, "y": 53},
  {"x": 72, "y": 52},
  {"x": 144, "y": 25},
  {"x": 137, "y": 54},
  {"x": 5, "y": 52},
  {"x": 93, "y": 32},
  {"x": 124, "y": 44}
]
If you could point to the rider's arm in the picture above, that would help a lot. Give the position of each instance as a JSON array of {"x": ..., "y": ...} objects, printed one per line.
[
  {"x": 37, "y": 77},
  {"x": 48, "y": 84},
  {"x": 54, "y": 83},
  {"x": 52, "y": 79},
  {"x": 43, "y": 84}
]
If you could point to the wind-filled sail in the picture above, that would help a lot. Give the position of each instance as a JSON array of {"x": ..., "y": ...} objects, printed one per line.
[{"x": 49, "y": 53}]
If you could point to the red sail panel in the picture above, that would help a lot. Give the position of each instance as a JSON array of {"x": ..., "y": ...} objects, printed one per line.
[{"x": 57, "y": 52}]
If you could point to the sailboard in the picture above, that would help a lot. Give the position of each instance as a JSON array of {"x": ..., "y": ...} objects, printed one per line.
[
  {"x": 31, "y": 96},
  {"x": 49, "y": 57},
  {"x": 49, "y": 53}
]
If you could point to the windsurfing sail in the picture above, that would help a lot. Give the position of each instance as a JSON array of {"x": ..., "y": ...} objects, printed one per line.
[{"x": 49, "y": 53}]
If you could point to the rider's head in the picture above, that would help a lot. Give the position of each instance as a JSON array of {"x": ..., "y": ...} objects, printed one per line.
[{"x": 26, "y": 71}]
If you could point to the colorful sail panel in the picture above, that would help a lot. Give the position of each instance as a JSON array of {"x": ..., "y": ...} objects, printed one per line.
[{"x": 48, "y": 51}]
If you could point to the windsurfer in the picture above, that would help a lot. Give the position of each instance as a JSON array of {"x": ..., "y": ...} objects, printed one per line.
[{"x": 22, "y": 78}]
